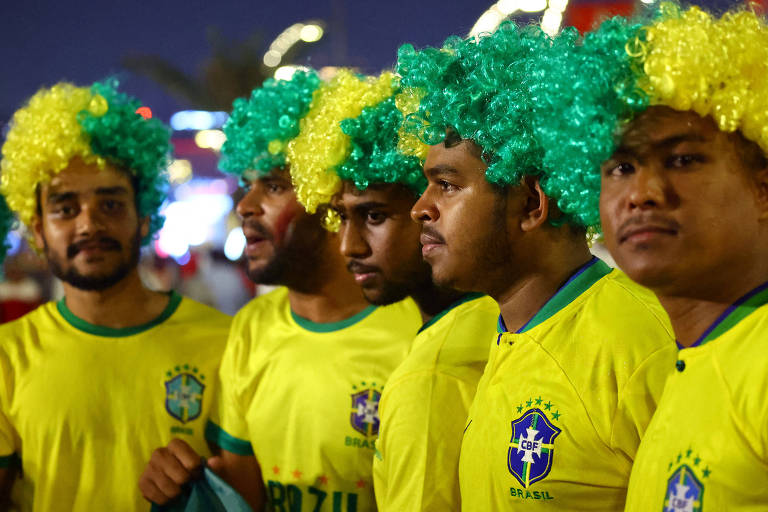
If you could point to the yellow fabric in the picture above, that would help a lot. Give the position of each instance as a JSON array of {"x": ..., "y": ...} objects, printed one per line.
[
  {"x": 711, "y": 423},
  {"x": 84, "y": 412},
  {"x": 424, "y": 408},
  {"x": 294, "y": 397},
  {"x": 594, "y": 370}
]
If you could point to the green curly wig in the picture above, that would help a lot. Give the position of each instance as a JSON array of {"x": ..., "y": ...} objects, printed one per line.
[
  {"x": 536, "y": 105},
  {"x": 260, "y": 127},
  {"x": 376, "y": 154},
  {"x": 97, "y": 124}
]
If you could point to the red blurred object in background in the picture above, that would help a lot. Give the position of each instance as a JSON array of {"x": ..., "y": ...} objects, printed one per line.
[{"x": 586, "y": 16}]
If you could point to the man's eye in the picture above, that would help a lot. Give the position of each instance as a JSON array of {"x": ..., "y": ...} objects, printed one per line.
[
  {"x": 446, "y": 186},
  {"x": 64, "y": 210},
  {"x": 680, "y": 161},
  {"x": 620, "y": 169},
  {"x": 376, "y": 217},
  {"x": 275, "y": 188},
  {"x": 112, "y": 205}
]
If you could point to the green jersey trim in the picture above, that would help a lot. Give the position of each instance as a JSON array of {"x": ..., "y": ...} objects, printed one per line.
[
  {"x": 110, "y": 332},
  {"x": 578, "y": 283},
  {"x": 737, "y": 312},
  {"x": 463, "y": 299},
  {"x": 8, "y": 461},
  {"x": 331, "y": 326},
  {"x": 220, "y": 438}
]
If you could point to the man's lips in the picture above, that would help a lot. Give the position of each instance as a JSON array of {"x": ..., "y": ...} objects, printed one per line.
[
  {"x": 254, "y": 239},
  {"x": 91, "y": 247},
  {"x": 362, "y": 273},
  {"x": 640, "y": 231},
  {"x": 430, "y": 241}
]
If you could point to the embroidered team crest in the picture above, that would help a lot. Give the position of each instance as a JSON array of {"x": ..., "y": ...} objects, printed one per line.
[
  {"x": 184, "y": 393},
  {"x": 529, "y": 457},
  {"x": 365, "y": 410},
  {"x": 685, "y": 492}
]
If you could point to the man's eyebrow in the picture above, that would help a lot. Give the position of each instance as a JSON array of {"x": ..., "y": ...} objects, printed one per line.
[
  {"x": 112, "y": 191},
  {"x": 665, "y": 143},
  {"x": 440, "y": 170},
  {"x": 60, "y": 197},
  {"x": 368, "y": 205}
]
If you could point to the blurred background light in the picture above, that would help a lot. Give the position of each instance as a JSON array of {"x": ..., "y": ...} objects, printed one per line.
[
  {"x": 286, "y": 72},
  {"x": 307, "y": 32},
  {"x": 198, "y": 120},
  {"x": 551, "y": 18},
  {"x": 235, "y": 244},
  {"x": 210, "y": 139},
  {"x": 180, "y": 171}
]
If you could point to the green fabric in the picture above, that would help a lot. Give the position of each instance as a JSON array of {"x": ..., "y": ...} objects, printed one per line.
[
  {"x": 332, "y": 326},
  {"x": 576, "y": 285},
  {"x": 735, "y": 314},
  {"x": 207, "y": 494},
  {"x": 464, "y": 298},
  {"x": 222, "y": 439},
  {"x": 109, "y": 332}
]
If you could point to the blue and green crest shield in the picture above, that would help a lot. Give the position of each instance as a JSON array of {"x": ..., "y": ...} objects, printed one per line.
[
  {"x": 365, "y": 412},
  {"x": 684, "y": 492},
  {"x": 184, "y": 397},
  {"x": 529, "y": 457}
]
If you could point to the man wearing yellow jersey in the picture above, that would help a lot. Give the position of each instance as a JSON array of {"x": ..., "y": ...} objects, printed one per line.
[
  {"x": 93, "y": 382},
  {"x": 573, "y": 379},
  {"x": 684, "y": 206},
  {"x": 302, "y": 374},
  {"x": 424, "y": 405}
]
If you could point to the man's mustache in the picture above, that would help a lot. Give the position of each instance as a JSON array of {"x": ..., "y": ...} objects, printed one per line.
[{"x": 105, "y": 243}]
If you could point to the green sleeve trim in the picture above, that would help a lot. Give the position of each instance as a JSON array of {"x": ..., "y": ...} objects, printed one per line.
[
  {"x": 220, "y": 438},
  {"x": 7, "y": 461},
  {"x": 332, "y": 326},
  {"x": 110, "y": 332}
]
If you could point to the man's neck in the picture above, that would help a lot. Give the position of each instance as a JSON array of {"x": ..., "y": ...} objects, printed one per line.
[
  {"x": 126, "y": 304},
  {"x": 693, "y": 314},
  {"x": 526, "y": 293},
  {"x": 432, "y": 299},
  {"x": 333, "y": 295}
]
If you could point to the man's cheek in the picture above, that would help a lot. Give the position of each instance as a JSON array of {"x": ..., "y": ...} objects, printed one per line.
[{"x": 284, "y": 222}]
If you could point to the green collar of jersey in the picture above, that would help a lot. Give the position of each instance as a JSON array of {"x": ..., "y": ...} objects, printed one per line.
[
  {"x": 578, "y": 283},
  {"x": 332, "y": 326},
  {"x": 464, "y": 298},
  {"x": 110, "y": 332},
  {"x": 737, "y": 312}
]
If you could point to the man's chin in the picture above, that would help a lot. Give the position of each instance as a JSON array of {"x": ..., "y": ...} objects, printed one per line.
[{"x": 384, "y": 297}]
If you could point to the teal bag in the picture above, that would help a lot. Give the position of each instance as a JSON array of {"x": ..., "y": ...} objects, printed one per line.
[{"x": 207, "y": 494}]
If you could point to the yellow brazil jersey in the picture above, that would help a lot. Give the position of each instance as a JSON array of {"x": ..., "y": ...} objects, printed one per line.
[
  {"x": 424, "y": 408},
  {"x": 303, "y": 398},
  {"x": 563, "y": 403},
  {"x": 706, "y": 448},
  {"x": 82, "y": 407}
]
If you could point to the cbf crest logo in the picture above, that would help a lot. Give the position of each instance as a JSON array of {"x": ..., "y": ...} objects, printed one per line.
[
  {"x": 184, "y": 393},
  {"x": 685, "y": 491},
  {"x": 364, "y": 416},
  {"x": 531, "y": 448}
]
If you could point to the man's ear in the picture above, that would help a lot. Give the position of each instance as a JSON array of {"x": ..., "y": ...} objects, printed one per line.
[
  {"x": 536, "y": 208},
  {"x": 37, "y": 232},
  {"x": 144, "y": 227},
  {"x": 761, "y": 194}
]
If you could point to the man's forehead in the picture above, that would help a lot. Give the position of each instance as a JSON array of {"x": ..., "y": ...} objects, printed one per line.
[
  {"x": 659, "y": 124},
  {"x": 460, "y": 157},
  {"x": 83, "y": 177}
]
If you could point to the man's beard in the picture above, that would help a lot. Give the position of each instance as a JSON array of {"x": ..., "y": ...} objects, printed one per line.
[
  {"x": 297, "y": 259},
  {"x": 96, "y": 282}
]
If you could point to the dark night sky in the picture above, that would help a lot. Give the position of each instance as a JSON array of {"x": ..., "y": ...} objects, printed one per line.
[{"x": 84, "y": 40}]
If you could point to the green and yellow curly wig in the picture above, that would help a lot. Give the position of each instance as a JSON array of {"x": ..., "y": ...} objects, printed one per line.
[
  {"x": 260, "y": 127},
  {"x": 321, "y": 146},
  {"x": 718, "y": 67},
  {"x": 380, "y": 152},
  {"x": 536, "y": 105},
  {"x": 97, "y": 124}
]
